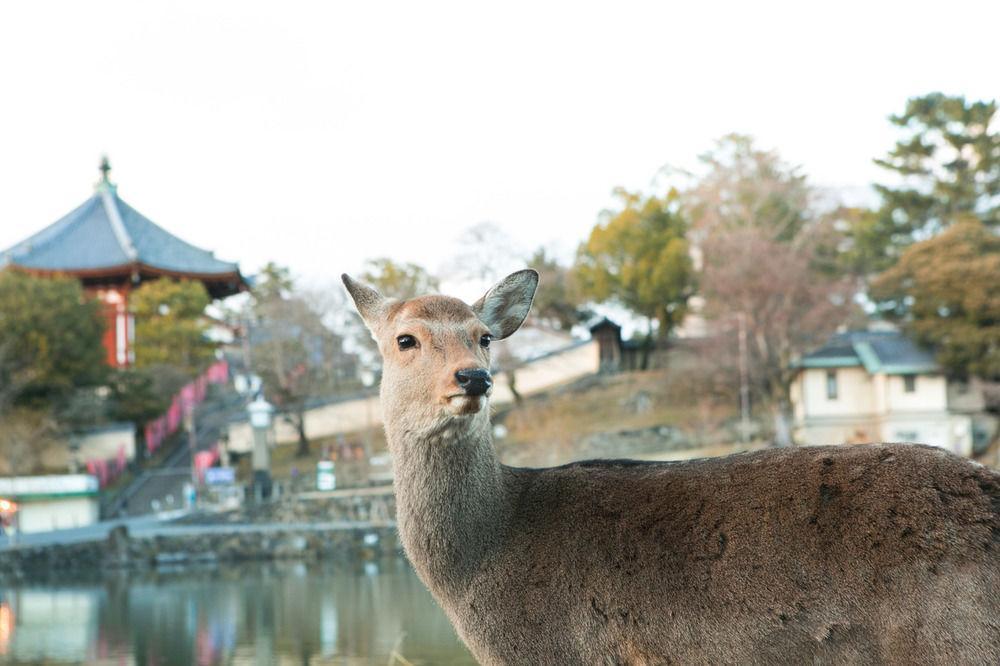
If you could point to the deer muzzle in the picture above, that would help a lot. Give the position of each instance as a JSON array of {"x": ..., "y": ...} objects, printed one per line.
[{"x": 474, "y": 381}]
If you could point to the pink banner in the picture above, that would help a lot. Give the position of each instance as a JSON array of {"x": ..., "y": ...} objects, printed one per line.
[
  {"x": 203, "y": 460},
  {"x": 157, "y": 431}
]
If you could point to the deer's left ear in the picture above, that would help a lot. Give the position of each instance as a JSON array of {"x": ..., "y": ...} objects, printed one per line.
[{"x": 505, "y": 306}]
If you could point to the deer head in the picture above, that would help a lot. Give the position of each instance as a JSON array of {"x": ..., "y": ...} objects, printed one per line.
[{"x": 435, "y": 349}]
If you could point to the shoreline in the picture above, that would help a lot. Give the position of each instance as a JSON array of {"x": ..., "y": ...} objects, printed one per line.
[{"x": 190, "y": 545}]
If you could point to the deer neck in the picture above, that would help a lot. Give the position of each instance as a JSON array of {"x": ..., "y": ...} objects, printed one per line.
[{"x": 450, "y": 502}]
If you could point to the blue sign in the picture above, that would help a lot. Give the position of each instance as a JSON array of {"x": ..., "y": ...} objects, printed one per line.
[{"x": 220, "y": 476}]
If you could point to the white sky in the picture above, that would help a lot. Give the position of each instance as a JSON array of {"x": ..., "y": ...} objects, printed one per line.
[{"x": 321, "y": 134}]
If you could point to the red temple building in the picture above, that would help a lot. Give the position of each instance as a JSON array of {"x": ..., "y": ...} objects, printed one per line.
[{"x": 112, "y": 249}]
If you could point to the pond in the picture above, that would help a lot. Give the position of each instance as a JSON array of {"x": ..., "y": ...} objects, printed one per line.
[{"x": 275, "y": 613}]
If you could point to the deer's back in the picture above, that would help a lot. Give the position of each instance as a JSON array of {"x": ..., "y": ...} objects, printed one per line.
[{"x": 835, "y": 554}]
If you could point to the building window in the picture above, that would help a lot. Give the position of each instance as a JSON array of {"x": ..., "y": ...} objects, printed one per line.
[
  {"x": 831, "y": 384},
  {"x": 910, "y": 383}
]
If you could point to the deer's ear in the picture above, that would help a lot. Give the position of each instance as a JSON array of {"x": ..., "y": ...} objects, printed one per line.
[
  {"x": 370, "y": 303},
  {"x": 505, "y": 306}
]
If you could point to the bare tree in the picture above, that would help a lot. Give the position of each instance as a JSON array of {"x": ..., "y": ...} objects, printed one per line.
[
  {"x": 24, "y": 435},
  {"x": 787, "y": 307},
  {"x": 558, "y": 300},
  {"x": 748, "y": 187},
  {"x": 769, "y": 260},
  {"x": 297, "y": 355},
  {"x": 484, "y": 252}
]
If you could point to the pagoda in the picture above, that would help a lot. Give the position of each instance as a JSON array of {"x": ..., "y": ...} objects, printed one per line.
[{"x": 112, "y": 249}]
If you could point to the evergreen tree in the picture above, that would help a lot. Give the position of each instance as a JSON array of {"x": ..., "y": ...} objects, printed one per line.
[
  {"x": 399, "y": 280},
  {"x": 639, "y": 258},
  {"x": 944, "y": 291},
  {"x": 50, "y": 339},
  {"x": 170, "y": 325},
  {"x": 50, "y": 355},
  {"x": 947, "y": 164}
]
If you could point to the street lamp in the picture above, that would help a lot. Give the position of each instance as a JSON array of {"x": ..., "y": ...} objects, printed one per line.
[{"x": 260, "y": 412}]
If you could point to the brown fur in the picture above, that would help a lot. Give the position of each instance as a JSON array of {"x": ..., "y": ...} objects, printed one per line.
[{"x": 867, "y": 554}]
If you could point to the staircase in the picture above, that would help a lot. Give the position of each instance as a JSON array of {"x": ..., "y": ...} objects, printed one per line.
[{"x": 161, "y": 488}]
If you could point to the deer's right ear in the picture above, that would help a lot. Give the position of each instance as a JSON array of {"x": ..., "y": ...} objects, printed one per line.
[{"x": 370, "y": 303}]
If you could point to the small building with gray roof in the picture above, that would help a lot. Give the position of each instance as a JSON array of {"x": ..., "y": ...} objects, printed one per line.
[{"x": 875, "y": 386}]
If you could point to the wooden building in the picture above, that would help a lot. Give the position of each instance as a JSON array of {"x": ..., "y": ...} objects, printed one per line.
[
  {"x": 608, "y": 335},
  {"x": 112, "y": 249}
]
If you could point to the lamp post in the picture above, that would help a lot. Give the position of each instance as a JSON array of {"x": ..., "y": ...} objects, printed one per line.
[
  {"x": 744, "y": 379},
  {"x": 260, "y": 412}
]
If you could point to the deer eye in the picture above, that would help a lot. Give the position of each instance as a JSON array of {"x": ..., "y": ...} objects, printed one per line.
[
  {"x": 406, "y": 342},
  {"x": 485, "y": 341}
]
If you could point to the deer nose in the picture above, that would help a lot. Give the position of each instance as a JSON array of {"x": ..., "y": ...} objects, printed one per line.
[{"x": 474, "y": 381}]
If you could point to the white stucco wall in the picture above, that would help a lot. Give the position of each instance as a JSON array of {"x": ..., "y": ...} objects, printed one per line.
[
  {"x": 930, "y": 394},
  {"x": 104, "y": 444},
  {"x": 837, "y": 430},
  {"x": 548, "y": 371},
  {"x": 951, "y": 432},
  {"x": 968, "y": 398},
  {"x": 880, "y": 393},
  {"x": 323, "y": 421},
  {"x": 877, "y": 409},
  {"x": 44, "y": 515},
  {"x": 855, "y": 392},
  {"x": 363, "y": 413}
]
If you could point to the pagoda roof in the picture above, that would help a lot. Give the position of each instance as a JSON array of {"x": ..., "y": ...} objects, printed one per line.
[{"x": 105, "y": 237}]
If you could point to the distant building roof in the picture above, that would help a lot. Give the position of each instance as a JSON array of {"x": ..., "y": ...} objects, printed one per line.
[
  {"x": 888, "y": 352},
  {"x": 604, "y": 323},
  {"x": 105, "y": 236}
]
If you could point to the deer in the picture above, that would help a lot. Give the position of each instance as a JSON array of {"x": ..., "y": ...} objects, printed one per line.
[{"x": 883, "y": 553}]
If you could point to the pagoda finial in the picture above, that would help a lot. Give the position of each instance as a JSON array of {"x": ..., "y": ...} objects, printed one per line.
[
  {"x": 105, "y": 182},
  {"x": 105, "y": 169}
]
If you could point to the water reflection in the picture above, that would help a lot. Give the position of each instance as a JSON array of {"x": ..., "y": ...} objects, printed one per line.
[{"x": 253, "y": 614}]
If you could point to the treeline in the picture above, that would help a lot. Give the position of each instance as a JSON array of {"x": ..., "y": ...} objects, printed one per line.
[
  {"x": 746, "y": 241},
  {"x": 750, "y": 239},
  {"x": 750, "y": 235},
  {"x": 54, "y": 379}
]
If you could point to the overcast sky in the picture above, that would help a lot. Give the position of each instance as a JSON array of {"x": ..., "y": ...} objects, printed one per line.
[{"x": 320, "y": 134}]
